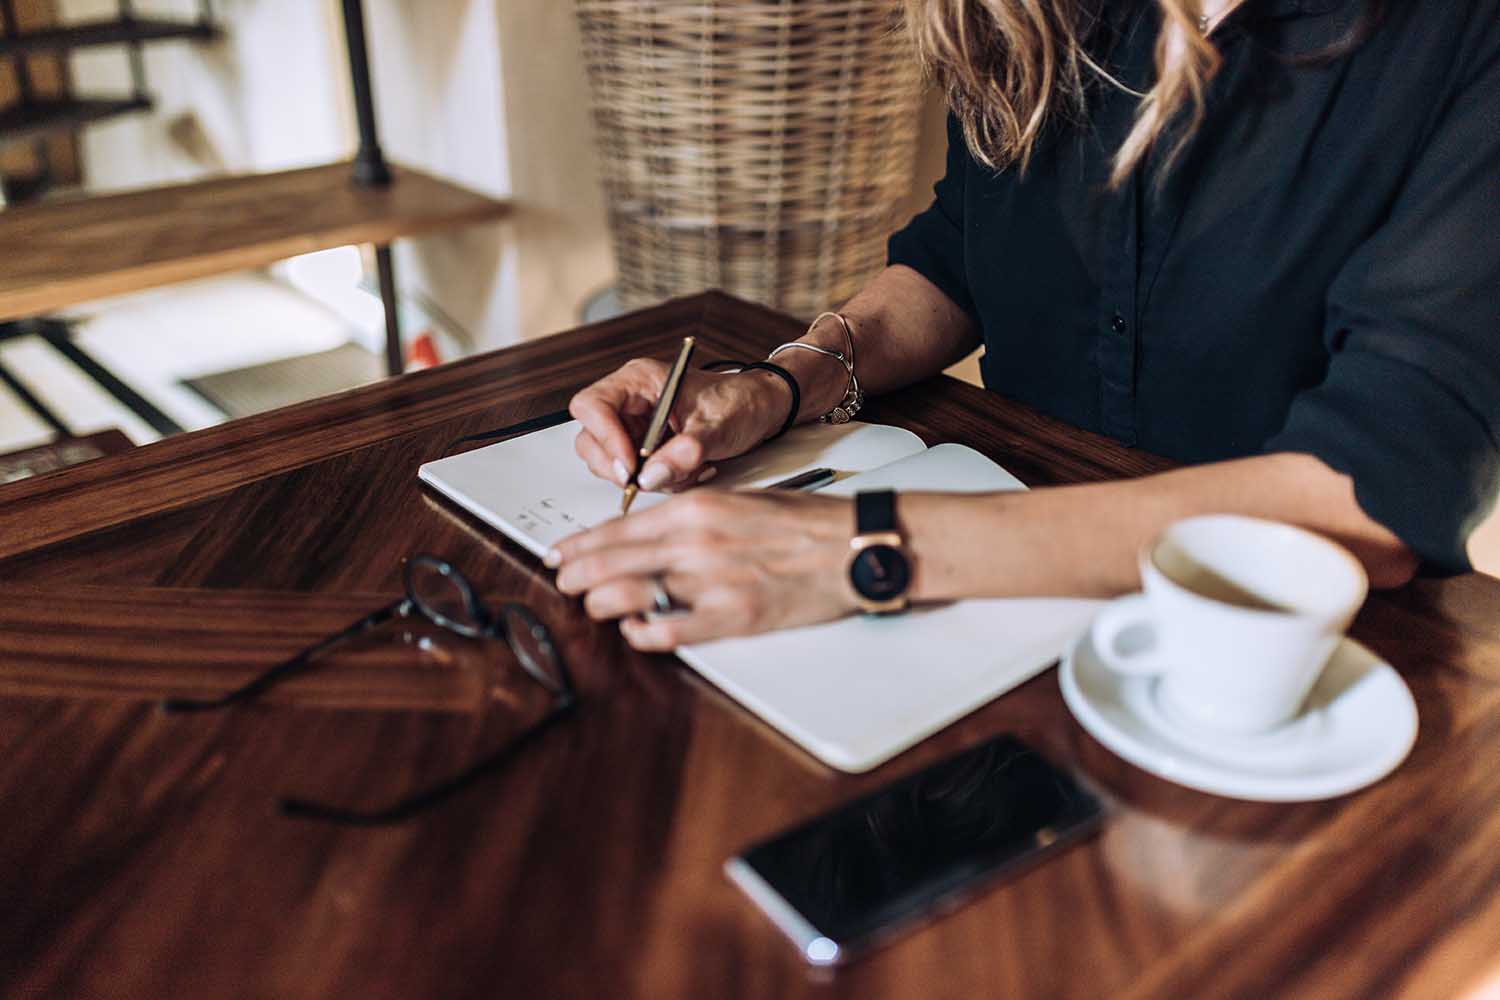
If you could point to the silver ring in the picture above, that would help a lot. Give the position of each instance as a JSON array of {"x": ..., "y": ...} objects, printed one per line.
[{"x": 660, "y": 596}]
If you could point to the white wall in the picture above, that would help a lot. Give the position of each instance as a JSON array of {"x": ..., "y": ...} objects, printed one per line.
[
  {"x": 275, "y": 94},
  {"x": 492, "y": 93},
  {"x": 489, "y": 93},
  {"x": 262, "y": 99}
]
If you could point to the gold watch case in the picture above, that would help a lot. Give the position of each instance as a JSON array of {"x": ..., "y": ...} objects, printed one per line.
[{"x": 857, "y": 545}]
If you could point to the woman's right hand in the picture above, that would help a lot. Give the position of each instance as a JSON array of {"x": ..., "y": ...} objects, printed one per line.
[{"x": 716, "y": 416}]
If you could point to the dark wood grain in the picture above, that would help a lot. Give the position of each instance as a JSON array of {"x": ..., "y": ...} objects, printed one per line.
[
  {"x": 145, "y": 643},
  {"x": 142, "y": 856}
]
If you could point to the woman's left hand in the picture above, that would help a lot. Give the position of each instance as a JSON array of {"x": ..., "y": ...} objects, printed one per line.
[{"x": 734, "y": 563}]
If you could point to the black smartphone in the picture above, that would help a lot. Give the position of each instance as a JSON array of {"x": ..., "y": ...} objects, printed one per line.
[{"x": 849, "y": 879}]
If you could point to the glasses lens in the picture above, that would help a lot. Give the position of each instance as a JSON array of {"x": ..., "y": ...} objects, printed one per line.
[
  {"x": 533, "y": 646},
  {"x": 443, "y": 595}
]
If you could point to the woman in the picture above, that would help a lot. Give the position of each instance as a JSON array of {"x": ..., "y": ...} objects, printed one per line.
[{"x": 1261, "y": 237}]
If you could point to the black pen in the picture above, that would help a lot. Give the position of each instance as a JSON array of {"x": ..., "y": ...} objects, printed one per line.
[{"x": 809, "y": 480}]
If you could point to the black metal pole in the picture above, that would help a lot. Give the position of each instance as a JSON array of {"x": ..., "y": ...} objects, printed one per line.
[
  {"x": 35, "y": 405},
  {"x": 370, "y": 169},
  {"x": 395, "y": 363},
  {"x": 56, "y": 334},
  {"x": 137, "y": 57}
]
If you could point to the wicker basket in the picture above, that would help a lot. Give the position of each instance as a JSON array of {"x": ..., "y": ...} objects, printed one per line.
[{"x": 758, "y": 146}]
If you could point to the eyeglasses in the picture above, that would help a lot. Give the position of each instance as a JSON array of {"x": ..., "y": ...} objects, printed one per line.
[{"x": 438, "y": 592}]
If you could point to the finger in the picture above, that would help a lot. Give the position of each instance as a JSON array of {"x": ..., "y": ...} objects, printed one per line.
[
  {"x": 665, "y": 633},
  {"x": 636, "y": 595},
  {"x": 674, "y": 465},
  {"x": 598, "y": 460},
  {"x": 586, "y": 572},
  {"x": 598, "y": 408},
  {"x": 647, "y": 525},
  {"x": 633, "y": 595},
  {"x": 704, "y": 475}
]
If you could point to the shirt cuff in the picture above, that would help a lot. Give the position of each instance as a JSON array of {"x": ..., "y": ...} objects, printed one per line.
[
  {"x": 1423, "y": 463},
  {"x": 933, "y": 247}
]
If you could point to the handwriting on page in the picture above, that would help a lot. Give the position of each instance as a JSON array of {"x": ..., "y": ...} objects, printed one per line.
[
  {"x": 554, "y": 517},
  {"x": 547, "y": 516},
  {"x": 535, "y": 490}
]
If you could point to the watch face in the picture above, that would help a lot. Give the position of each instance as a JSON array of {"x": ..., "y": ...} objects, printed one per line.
[{"x": 880, "y": 573}]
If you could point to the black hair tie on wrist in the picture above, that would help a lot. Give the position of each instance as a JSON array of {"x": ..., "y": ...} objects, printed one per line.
[{"x": 774, "y": 369}]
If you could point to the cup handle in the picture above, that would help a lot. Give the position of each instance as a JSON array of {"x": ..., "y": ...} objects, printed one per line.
[{"x": 1125, "y": 613}]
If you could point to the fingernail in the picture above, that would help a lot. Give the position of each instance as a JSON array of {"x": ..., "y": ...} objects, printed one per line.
[
  {"x": 622, "y": 474},
  {"x": 653, "y": 476},
  {"x": 552, "y": 559},
  {"x": 708, "y": 473}
]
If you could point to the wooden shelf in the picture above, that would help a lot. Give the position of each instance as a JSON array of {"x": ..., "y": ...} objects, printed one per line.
[
  {"x": 91, "y": 33},
  {"x": 72, "y": 251},
  {"x": 21, "y": 122}
]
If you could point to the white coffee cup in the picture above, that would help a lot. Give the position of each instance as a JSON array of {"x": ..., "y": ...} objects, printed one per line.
[{"x": 1238, "y": 617}]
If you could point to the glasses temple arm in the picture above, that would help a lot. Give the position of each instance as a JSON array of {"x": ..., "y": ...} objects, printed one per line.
[
  {"x": 415, "y": 803},
  {"x": 290, "y": 667}
]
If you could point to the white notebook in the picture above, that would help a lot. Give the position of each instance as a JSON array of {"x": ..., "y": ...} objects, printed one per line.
[{"x": 854, "y": 692}]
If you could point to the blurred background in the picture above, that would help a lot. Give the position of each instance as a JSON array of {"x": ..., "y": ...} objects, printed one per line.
[
  {"x": 492, "y": 96},
  {"x": 182, "y": 241}
]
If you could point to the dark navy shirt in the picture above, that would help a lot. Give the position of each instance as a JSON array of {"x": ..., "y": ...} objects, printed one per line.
[{"x": 1319, "y": 273}]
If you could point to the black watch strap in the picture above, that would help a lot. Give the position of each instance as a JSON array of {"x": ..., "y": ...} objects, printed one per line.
[{"x": 875, "y": 511}]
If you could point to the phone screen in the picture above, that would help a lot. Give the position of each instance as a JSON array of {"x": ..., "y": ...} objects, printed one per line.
[{"x": 846, "y": 878}]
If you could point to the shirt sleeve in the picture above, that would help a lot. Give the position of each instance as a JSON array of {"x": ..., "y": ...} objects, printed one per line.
[
  {"x": 1410, "y": 405},
  {"x": 932, "y": 244}
]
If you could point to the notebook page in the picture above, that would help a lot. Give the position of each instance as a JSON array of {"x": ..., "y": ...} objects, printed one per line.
[
  {"x": 537, "y": 491},
  {"x": 858, "y": 691},
  {"x": 946, "y": 468}
]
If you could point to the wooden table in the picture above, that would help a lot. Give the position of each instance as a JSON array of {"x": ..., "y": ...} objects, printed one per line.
[{"x": 141, "y": 854}]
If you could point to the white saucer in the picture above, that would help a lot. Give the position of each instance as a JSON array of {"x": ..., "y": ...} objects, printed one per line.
[{"x": 1359, "y": 723}]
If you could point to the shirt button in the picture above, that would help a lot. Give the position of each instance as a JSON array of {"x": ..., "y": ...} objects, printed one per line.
[{"x": 1117, "y": 324}]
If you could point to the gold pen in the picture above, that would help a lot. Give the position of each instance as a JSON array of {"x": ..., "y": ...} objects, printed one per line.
[{"x": 658, "y": 421}]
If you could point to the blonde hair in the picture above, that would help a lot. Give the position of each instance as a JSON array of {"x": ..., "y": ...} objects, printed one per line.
[{"x": 1007, "y": 66}]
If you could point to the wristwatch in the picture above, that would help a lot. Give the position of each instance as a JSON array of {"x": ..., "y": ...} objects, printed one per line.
[{"x": 879, "y": 571}]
